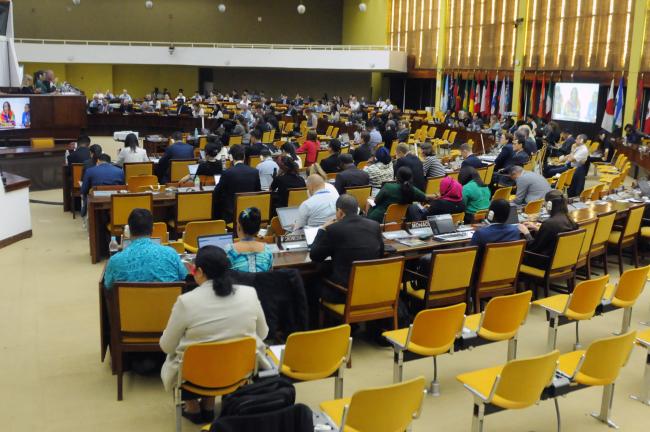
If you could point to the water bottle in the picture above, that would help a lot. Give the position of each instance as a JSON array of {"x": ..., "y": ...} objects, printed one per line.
[
  {"x": 196, "y": 132},
  {"x": 113, "y": 247},
  {"x": 197, "y": 183},
  {"x": 65, "y": 159}
]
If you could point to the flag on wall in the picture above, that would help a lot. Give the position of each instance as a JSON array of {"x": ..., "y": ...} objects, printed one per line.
[
  {"x": 646, "y": 125},
  {"x": 495, "y": 91},
  {"x": 477, "y": 98},
  {"x": 608, "y": 116},
  {"x": 533, "y": 96},
  {"x": 618, "y": 112},
  {"x": 549, "y": 101},
  {"x": 503, "y": 98},
  {"x": 485, "y": 104},
  {"x": 472, "y": 95},
  {"x": 542, "y": 99},
  {"x": 445, "y": 95},
  {"x": 638, "y": 110},
  {"x": 457, "y": 99},
  {"x": 466, "y": 96}
]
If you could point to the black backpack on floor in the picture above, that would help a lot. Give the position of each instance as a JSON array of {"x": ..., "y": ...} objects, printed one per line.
[{"x": 269, "y": 394}]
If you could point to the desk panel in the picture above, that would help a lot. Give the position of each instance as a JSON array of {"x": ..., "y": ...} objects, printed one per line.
[{"x": 41, "y": 166}]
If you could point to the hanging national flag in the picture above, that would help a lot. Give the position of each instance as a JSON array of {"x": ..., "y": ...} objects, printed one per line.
[
  {"x": 472, "y": 95},
  {"x": 466, "y": 96},
  {"x": 542, "y": 99},
  {"x": 477, "y": 98},
  {"x": 533, "y": 96},
  {"x": 495, "y": 90},
  {"x": 608, "y": 117},
  {"x": 457, "y": 99},
  {"x": 618, "y": 113},
  {"x": 646, "y": 126},
  {"x": 445, "y": 95},
  {"x": 638, "y": 110},
  {"x": 485, "y": 104},
  {"x": 503, "y": 97},
  {"x": 507, "y": 94},
  {"x": 549, "y": 101}
]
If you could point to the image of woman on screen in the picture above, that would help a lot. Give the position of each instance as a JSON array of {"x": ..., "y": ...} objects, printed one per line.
[
  {"x": 572, "y": 106},
  {"x": 27, "y": 116},
  {"x": 7, "y": 117}
]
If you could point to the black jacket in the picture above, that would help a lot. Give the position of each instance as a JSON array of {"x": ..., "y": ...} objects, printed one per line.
[
  {"x": 239, "y": 178},
  {"x": 417, "y": 169},
  {"x": 351, "y": 239},
  {"x": 351, "y": 176},
  {"x": 473, "y": 161},
  {"x": 331, "y": 163},
  {"x": 362, "y": 153},
  {"x": 504, "y": 157},
  {"x": 296, "y": 418},
  {"x": 81, "y": 155},
  {"x": 546, "y": 237},
  {"x": 281, "y": 185}
]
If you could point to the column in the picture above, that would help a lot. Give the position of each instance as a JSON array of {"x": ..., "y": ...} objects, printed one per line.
[
  {"x": 636, "y": 51},
  {"x": 520, "y": 49},
  {"x": 441, "y": 50}
]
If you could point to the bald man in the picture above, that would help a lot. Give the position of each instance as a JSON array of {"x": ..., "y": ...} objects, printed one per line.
[{"x": 320, "y": 207}]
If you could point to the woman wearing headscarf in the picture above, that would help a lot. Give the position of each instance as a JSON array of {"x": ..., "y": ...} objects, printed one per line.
[
  {"x": 381, "y": 170},
  {"x": 450, "y": 200}
]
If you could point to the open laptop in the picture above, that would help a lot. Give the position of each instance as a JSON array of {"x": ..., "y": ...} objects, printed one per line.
[
  {"x": 219, "y": 240},
  {"x": 193, "y": 168},
  {"x": 310, "y": 235},
  {"x": 444, "y": 229},
  {"x": 288, "y": 217},
  {"x": 644, "y": 185}
]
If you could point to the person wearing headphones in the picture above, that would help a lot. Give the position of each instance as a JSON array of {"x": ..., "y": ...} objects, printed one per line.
[
  {"x": 498, "y": 230},
  {"x": 546, "y": 236}
]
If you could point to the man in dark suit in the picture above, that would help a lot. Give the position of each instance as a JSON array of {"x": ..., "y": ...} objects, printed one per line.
[
  {"x": 364, "y": 151},
  {"x": 331, "y": 163},
  {"x": 469, "y": 158},
  {"x": 104, "y": 173},
  {"x": 177, "y": 151},
  {"x": 82, "y": 153},
  {"x": 348, "y": 238},
  {"x": 255, "y": 147},
  {"x": 239, "y": 178},
  {"x": 405, "y": 158},
  {"x": 498, "y": 231},
  {"x": 505, "y": 155},
  {"x": 350, "y": 175}
]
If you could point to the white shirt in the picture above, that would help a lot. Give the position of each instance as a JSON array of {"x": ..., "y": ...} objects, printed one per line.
[
  {"x": 128, "y": 156},
  {"x": 317, "y": 209},
  {"x": 267, "y": 168},
  {"x": 580, "y": 155}
]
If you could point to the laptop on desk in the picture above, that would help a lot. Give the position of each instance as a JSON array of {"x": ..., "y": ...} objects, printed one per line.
[
  {"x": 288, "y": 217},
  {"x": 444, "y": 229},
  {"x": 219, "y": 240}
]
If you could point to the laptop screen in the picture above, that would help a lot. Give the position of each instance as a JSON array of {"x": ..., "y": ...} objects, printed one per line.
[
  {"x": 513, "y": 217},
  {"x": 310, "y": 235},
  {"x": 193, "y": 168},
  {"x": 442, "y": 224},
  {"x": 288, "y": 217},
  {"x": 220, "y": 240}
]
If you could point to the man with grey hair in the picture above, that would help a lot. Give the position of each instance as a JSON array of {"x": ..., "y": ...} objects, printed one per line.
[
  {"x": 320, "y": 207},
  {"x": 469, "y": 158},
  {"x": 578, "y": 159},
  {"x": 530, "y": 185}
]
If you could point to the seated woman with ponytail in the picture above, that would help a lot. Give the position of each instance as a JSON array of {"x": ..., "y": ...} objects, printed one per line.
[
  {"x": 249, "y": 255},
  {"x": 401, "y": 192},
  {"x": 216, "y": 310}
]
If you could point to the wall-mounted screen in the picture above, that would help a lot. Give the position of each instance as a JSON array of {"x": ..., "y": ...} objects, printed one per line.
[
  {"x": 576, "y": 102},
  {"x": 15, "y": 114}
]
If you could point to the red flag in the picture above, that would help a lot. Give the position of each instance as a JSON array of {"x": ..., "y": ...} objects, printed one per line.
[
  {"x": 542, "y": 99},
  {"x": 533, "y": 96},
  {"x": 456, "y": 97},
  {"x": 646, "y": 126},
  {"x": 608, "y": 116},
  {"x": 485, "y": 103},
  {"x": 639, "y": 108}
]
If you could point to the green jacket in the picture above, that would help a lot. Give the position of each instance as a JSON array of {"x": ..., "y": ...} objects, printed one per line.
[
  {"x": 390, "y": 193},
  {"x": 475, "y": 197}
]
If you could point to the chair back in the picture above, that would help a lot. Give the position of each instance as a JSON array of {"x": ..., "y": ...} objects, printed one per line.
[
  {"x": 433, "y": 185},
  {"x": 361, "y": 193},
  {"x": 267, "y": 137},
  {"x": 39, "y": 143},
  {"x": 132, "y": 169},
  {"x": 389, "y": 408},
  {"x": 317, "y": 354},
  {"x": 196, "y": 229},
  {"x": 448, "y": 285},
  {"x": 261, "y": 200},
  {"x": 630, "y": 286},
  {"x": 436, "y": 329},
  {"x": 569, "y": 177},
  {"x": 567, "y": 249},
  {"x": 504, "y": 315},
  {"x": 219, "y": 365},
  {"x": 589, "y": 226},
  {"x": 77, "y": 170},
  {"x": 322, "y": 154},
  {"x": 502, "y": 193},
  {"x": 395, "y": 213},
  {"x": 586, "y": 194},
  {"x": 488, "y": 174},
  {"x": 561, "y": 181},
  {"x": 123, "y": 204},
  {"x": 374, "y": 287},
  {"x": 521, "y": 382},
  {"x": 254, "y": 161},
  {"x": 500, "y": 264},
  {"x": 235, "y": 139},
  {"x": 458, "y": 217},
  {"x": 603, "y": 229},
  {"x": 598, "y": 190},
  {"x": 179, "y": 168},
  {"x": 633, "y": 221},
  {"x": 297, "y": 196},
  {"x": 160, "y": 231},
  {"x": 585, "y": 298},
  {"x": 133, "y": 184},
  {"x": 276, "y": 226},
  {"x": 193, "y": 206},
  {"x": 303, "y": 159},
  {"x": 445, "y": 135},
  {"x": 604, "y": 359},
  {"x": 142, "y": 309},
  {"x": 534, "y": 207},
  {"x": 483, "y": 173},
  {"x": 361, "y": 165}
]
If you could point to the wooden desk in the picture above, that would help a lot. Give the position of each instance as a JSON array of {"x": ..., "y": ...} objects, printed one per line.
[
  {"x": 462, "y": 135},
  {"x": 41, "y": 166},
  {"x": 635, "y": 156},
  {"x": 15, "y": 218}
]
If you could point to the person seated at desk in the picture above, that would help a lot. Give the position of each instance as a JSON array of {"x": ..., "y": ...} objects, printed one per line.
[
  {"x": 315, "y": 169},
  {"x": 350, "y": 175},
  {"x": 211, "y": 166},
  {"x": 267, "y": 168},
  {"x": 364, "y": 151},
  {"x": 632, "y": 135},
  {"x": 546, "y": 236},
  {"x": 289, "y": 149},
  {"x": 578, "y": 159},
  {"x": 238, "y": 178},
  {"x": 131, "y": 152},
  {"x": 311, "y": 147},
  {"x": 431, "y": 165},
  {"x": 450, "y": 200},
  {"x": 104, "y": 173},
  {"x": 476, "y": 195},
  {"x": 82, "y": 153},
  {"x": 407, "y": 159},
  {"x": 179, "y": 150},
  {"x": 143, "y": 260},
  {"x": 498, "y": 231},
  {"x": 249, "y": 255},
  {"x": 401, "y": 192},
  {"x": 255, "y": 145},
  {"x": 505, "y": 155},
  {"x": 288, "y": 179},
  {"x": 330, "y": 164},
  {"x": 530, "y": 185},
  {"x": 518, "y": 157},
  {"x": 346, "y": 239},
  {"x": 215, "y": 310},
  {"x": 319, "y": 207},
  {"x": 469, "y": 158},
  {"x": 380, "y": 168}
]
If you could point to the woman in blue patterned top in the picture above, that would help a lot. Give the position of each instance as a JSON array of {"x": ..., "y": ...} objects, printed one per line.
[{"x": 249, "y": 255}]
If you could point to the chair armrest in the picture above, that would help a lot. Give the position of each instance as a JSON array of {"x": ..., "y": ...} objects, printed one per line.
[
  {"x": 413, "y": 272},
  {"x": 336, "y": 286},
  {"x": 536, "y": 255}
]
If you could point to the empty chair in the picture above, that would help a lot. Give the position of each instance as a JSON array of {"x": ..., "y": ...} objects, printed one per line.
[
  {"x": 502, "y": 193},
  {"x": 297, "y": 196},
  {"x": 317, "y": 354},
  {"x": 383, "y": 409},
  {"x": 179, "y": 168},
  {"x": 432, "y": 333},
  {"x": 134, "y": 184},
  {"x": 132, "y": 169},
  {"x": 196, "y": 229},
  {"x": 395, "y": 214},
  {"x": 578, "y": 306},
  {"x": 598, "y": 246},
  {"x": 160, "y": 232},
  {"x": 433, "y": 185},
  {"x": 643, "y": 339},
  {"x": 628, "y": 236},
  {"x": 499, "y": 271},
  {"x": 191, "y": 207},
  {"x": 76, "y": 173},
  {"x": 516, "y": 385},
  {"x": 625, "y": 293}
]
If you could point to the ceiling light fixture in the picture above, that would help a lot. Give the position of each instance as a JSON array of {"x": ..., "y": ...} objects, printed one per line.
[
  {"x": 301, "y": 9},
  {"x": 363, "y": 7},
  {"x": 148, "y": 4},
  {"x": 221, "y": 8}
]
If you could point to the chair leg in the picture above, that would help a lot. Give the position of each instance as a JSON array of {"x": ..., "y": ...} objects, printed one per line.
[
  {"x": 478, "y": 416},
  {"x": 434, "y": 388},
  {"x": 604, "y": 258},
  {"x": 512, "y": 348},
  {"x": 477, "y": 302},
  {"x": 577, "y": 345},
  {"x": 606, "y": 407},
  {"x": 635, "y": 254},
  {"x": 588, "y": 268},
  {"x": 179, "y": 409},
  {"x": 551, "y": 341},
  {"x": 557, "y": 414},
  {"x": 644, "y": 397},
  {"x": 338, "y": 384},
  {"x": 120, "y": 372},
  {"x": 398, "y": 366},
  {"x": 627, "y": 320},
  {"x": 620, "y": 260}
]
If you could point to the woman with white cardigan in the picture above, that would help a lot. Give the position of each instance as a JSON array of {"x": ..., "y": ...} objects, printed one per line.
[
  {"x": 131, "y": 152},
  {"x": 215, "y": 310}
]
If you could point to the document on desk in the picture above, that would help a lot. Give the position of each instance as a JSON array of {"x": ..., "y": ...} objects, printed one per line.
[
  {"x": 104, "y": 193},
  {"x": 411, "y": 242},
  {"x": 394, "y": 235}
]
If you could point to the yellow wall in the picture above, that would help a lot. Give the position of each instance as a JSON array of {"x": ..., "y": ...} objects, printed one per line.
[
  {"x": 90, "y": 78},
  {"x": 365, "y": 28}
]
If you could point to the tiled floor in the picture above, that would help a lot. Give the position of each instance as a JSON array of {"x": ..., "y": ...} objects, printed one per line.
[{"x": 51, "y": 378}]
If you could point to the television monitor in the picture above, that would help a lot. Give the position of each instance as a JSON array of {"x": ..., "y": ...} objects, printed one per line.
[
  {"x": 576, "y": 102},
  {"x": 15, "y": 114}
]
